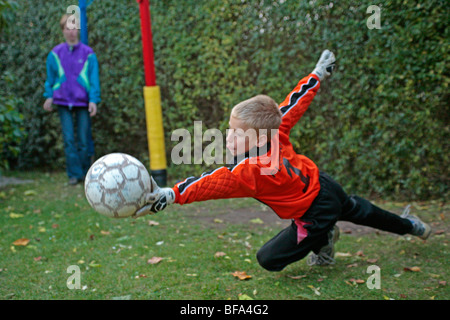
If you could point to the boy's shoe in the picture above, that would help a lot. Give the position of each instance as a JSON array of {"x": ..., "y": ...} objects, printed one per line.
[
  {"x": 326, "y": 254},
  {"x": 325, "y": 65},
  {"x": 420, "y": 228}
]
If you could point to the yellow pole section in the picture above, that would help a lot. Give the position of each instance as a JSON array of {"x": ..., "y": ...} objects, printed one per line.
[{"x": 155, "y": 131}]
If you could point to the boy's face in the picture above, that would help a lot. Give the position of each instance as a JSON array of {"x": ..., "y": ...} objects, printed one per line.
[{"x": 240, "y": 138}]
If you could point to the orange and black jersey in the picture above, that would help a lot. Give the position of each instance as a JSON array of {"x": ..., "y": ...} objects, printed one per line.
[{"x": 282, "y": 179}]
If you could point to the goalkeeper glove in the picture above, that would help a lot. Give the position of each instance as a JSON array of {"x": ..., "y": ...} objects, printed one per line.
[
  {"x": 156, "y": 201},
  {"x": 325, "y": 65}
]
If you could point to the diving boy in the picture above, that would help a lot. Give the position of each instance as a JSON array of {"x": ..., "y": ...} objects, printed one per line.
[{"x": 268, "y": 169}]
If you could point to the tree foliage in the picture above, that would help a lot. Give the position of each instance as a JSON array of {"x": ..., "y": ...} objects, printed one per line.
[{"x": 379, "y": 125}]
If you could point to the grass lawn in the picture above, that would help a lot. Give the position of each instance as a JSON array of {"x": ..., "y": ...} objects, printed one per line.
[{"x": 201, "y": 246}]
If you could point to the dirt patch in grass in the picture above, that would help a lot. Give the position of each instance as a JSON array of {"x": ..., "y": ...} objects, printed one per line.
[
  {"x": 6, "y": 181},
  {"x": 256, "y": 217},
  {"x": 252, "y": 216}
]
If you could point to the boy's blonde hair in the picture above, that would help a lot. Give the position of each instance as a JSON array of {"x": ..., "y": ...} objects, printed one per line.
[{"x": 259, "y": 112}]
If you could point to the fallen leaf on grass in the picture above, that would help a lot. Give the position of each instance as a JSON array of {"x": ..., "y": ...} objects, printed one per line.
[
  {"x": 29, "y": 193},
  {"x": 358, "y": 281},
  {"x": 21, "y": 242},
  {"x": 154, "y": 260},
  {"x": 13, "y": 215},
  {"x": 297, "y": 277},
  {"x": 241, "y": 275},
  {"x": 105, "y": 233},
  {"x": 343, "y": 254},
  {"x": 243, "y": 296},
  {"x": 433, "y": 275},
  {"x": 153, "y": 223},
  {"x": 219, "y": 254},
  {"x": 413, "y": 269},
  {"x": 257, "y": 221},
  {"x": 316, "y": 290},
  {"x": 94, "y": 265}
]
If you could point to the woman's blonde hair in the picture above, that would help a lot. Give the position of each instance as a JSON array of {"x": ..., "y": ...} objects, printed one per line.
[
  {"x": 259, "y": 112},
  {"x": 63, "y": 21}
]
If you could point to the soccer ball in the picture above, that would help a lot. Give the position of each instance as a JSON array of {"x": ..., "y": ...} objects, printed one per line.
[{"x": 116, "y": 185}]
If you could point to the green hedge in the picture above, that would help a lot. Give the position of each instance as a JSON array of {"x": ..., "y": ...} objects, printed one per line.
[
  {"x": 11, "y": 125},
  {"x": 379, "y": 125}
]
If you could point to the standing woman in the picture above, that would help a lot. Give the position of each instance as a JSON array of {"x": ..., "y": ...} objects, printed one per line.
[{"x": 73, "y": 87}]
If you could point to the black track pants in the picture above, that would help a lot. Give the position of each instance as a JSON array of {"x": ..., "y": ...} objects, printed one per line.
[{"x": 331, "y": 204}]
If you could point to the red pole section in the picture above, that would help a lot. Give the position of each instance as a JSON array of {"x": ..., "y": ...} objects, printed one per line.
[{"x": 147, "y": 43}]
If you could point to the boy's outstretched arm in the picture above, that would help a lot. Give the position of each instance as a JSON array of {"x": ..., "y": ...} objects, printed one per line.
[
  {"x": 222, "y": 183},
  {"x": 299, "y": 99}
]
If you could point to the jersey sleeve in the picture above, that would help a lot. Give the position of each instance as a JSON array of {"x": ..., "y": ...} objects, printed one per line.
[
  {"x": 94, "y": 90},
  {"x": 222, "y": 183},
  {"x": 51, "y": 76},
  {"x": 297, "y": 102}
]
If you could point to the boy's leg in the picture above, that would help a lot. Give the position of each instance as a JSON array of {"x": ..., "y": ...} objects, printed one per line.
[
  {"x": 283, "y": 249},
  {"x": 361, "y": 211},
  {"x": 287, "y": 247}
]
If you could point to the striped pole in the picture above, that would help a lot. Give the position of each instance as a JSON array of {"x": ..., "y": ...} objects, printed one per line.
[{"x": 152, "y": 99}]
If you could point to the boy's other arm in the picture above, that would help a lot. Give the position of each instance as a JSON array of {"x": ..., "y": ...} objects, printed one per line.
[{"x": 298, "y": 101}]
